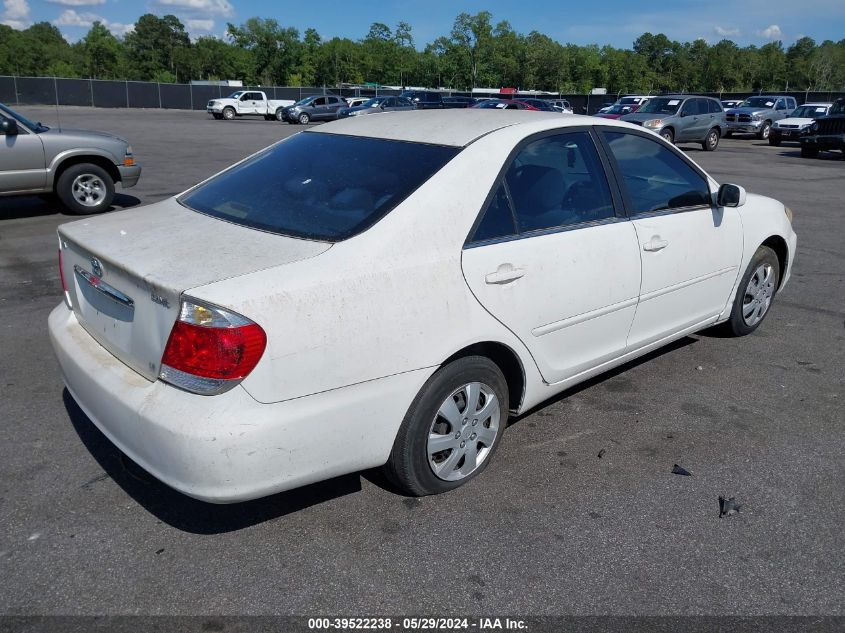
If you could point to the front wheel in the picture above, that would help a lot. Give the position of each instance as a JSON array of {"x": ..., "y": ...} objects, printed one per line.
[
  {"x": 809, "y": 152},
  {"x": 763, "y": 134},
  {"x": 228, "y": 113},
  {"x": 452, "y": 428},
  {"x": 712, "y": 141},
  {"x": 304, "y": 118},
  {"x": 755, "y": 293},
  {"x": 85, "y": 188},
  {"x": 669, "y": 135}
]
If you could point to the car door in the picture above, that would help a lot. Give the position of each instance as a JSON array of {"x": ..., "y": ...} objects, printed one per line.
[
  {"x": 317, "y": 108},
  {"x": 690, "y": 249},
  {"x": 333, "y": 104},
  {"x": 246, "y": 104},
  {"x": 689, "y": 121},
  {"x": 552, "y": 258},
  {"x": 22, "y": 163}
]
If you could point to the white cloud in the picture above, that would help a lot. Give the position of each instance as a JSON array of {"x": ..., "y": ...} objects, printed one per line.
[
  {"x": 206, "y": 7},
  {"x": 726, "y": 31},
  {"x": 86, "y": 20},
  {"x": 77, "y": 3},
  {"x": 772, "y": 32},
  {"x": 200, "y": 25},
  {"x": 15, "y": 14}
]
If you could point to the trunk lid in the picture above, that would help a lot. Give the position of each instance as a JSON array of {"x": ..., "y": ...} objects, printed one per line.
[{"x": 126, "y": 271}]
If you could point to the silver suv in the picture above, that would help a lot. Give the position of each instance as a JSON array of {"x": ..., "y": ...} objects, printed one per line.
[
  {"x": 80, "y": 167},
  {"x": 683, "y": 119}
]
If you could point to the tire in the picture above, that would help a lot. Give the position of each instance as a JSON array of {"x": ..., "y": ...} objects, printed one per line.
[
  {"x": 711, "y": 142},
  {"x": 809, "y": 152},
  {"x": 668, "y": 135},
  {"x": 763, "y": 134},
  {"x": 304, "y": 118},
  {"x": 85, "y": 188},
  {"x": 229, "y": 114},
  {"x": 412, "y": 464},
  {"x": 280, "y": 114},
  {"x": 756, "y": 288}
]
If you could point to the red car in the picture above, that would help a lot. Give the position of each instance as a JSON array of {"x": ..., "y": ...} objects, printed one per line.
[
  {"x": 505, "y": 104},
  {"x": 619, "y": 110}
]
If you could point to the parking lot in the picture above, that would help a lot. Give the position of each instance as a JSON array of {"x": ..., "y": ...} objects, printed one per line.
[{"x": 550, "y": 528}]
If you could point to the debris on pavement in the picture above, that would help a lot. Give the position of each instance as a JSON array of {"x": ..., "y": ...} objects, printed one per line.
[
  {"x": 680, "y": 470},
  {"x": 727, "y": 507},
  {"x": 601, "y": 453}
]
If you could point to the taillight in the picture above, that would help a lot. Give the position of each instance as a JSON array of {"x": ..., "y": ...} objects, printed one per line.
[
  {"x": 210, "y": 349},
  {"x": 62, "y": 277}
]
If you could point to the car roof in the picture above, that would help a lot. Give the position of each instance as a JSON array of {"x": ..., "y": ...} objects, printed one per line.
[{"x": 454, "y": 128}]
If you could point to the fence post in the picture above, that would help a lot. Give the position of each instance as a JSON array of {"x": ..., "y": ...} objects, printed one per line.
[
  {"x": 56, "y": 91},
  {"x": 91, "y": 88},
  {"x": 126, "y": 81},
  {"x": 15, "y": 82},
  {"x": 158, "y": 85}
]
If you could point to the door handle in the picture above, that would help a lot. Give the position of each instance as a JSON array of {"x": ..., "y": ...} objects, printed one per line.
[
  {"x": 656, "y": 244},
  {"x": 504, "y": 274}
]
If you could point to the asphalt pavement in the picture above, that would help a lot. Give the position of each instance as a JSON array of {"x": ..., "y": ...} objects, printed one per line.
[{"x": 552, "y": 526}]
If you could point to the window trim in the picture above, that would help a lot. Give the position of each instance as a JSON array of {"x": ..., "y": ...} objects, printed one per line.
[
  {"x": 617, "y": 174},
  {"x": 617, "y": 201}
]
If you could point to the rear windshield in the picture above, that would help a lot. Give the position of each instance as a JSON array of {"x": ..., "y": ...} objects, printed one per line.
[{"x": 319, "y": 186}]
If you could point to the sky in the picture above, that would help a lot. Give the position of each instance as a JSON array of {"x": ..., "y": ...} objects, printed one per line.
[{"x": 614, "y": 22}]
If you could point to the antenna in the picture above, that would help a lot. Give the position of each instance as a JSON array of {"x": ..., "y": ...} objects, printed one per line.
[{"x": 56, "y": 93}]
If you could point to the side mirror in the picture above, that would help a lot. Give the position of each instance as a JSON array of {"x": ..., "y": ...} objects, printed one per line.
[
  {"x": 730, "y": 196},
  {"x": 9, "y": 127},
  {"x": 683, "y": 113}
]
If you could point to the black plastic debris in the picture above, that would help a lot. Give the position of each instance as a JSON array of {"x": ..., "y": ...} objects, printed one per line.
[
  {"x": 728, "y": 507},
  {"x": 601, "y": 453},
  {"x": 680, "y": 470}
]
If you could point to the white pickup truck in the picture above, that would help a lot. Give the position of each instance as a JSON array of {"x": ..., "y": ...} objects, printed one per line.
[{"x": 247, "y": 103}]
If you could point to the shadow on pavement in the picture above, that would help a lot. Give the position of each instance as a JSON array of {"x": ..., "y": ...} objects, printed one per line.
[
  {"x": 16, "y": 207},
  {"x": 183, "y": 512}
]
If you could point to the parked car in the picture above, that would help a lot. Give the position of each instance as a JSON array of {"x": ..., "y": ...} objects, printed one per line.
[
  {"x": 247, "y": 103},
  {"x": 543, "y": 105},
  {"x": 425, "y": 99},
  {"x": 682, "y": 119},
  {"x": 354, "y": 102},
  {"x": 618, "y": 111},
  {"x": 80, "y": 167},
  {"x": 727, "y": 104},
  {"x": 630, "y": 100},
  {"x": 757, "y": 114},
  {"x": 396, "y": 311},
  {"x": 562, "y": 105},
  {"x": 377, "y": 105},
  {"x": 826, "y": 133},
  {"x": 314, "y": 108},
  {"x": 458, "y": 102},
  {"x": 792, "y": 127},
  {"x": 504, "y": 104}
]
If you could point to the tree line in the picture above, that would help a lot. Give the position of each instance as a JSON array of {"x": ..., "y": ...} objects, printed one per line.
[{"x": 476, "y": 53}]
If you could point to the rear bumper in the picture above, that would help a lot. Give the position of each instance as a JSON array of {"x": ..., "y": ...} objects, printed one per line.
[
  {"x": 824, "y": 142},
  {"x": 230, "y": 448},
  {"x": 129, "y": 175}
]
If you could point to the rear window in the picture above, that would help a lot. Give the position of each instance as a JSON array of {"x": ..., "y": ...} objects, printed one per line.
[{"x": 317, "y": 186}]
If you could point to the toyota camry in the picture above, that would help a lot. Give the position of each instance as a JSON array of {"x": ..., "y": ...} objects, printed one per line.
[{"x": 387, "y": 291}]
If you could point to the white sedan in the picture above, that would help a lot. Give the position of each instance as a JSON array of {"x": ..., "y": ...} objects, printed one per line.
[{"x": 295, "y": 318}]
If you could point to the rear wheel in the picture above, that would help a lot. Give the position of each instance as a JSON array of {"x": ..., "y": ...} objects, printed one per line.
[
  {"x": 280, "y": 115},
  {"x": 809, "y": 152},
  {"x": 711, "y": 142},
  {"x": 85, "y": 188},
  {"x": 755, "y": 293},
  {"x": 452, "y": 428},
  {"x": 668, "y": 134}
]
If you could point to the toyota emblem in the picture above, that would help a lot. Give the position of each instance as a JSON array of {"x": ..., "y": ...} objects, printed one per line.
[{"x": 96, "y": 267}]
